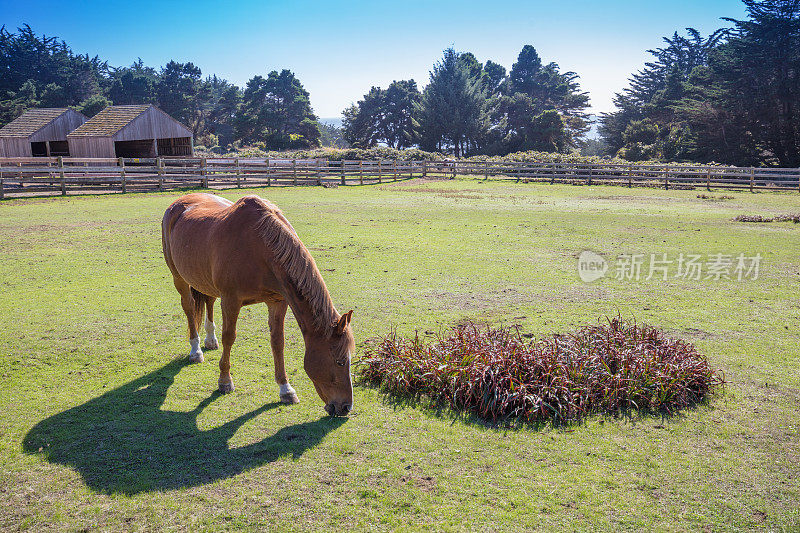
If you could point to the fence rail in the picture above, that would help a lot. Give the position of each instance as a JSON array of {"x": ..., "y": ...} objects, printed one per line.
[{"x": 60, "y": 175}]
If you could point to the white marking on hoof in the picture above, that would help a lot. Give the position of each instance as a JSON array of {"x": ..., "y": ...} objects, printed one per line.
[
  {"x": 226, "y": 386},
  {"x": 288, "y": 395},
  {"x": 211, "y": 342},
  {"x": 195, "y": 354}
]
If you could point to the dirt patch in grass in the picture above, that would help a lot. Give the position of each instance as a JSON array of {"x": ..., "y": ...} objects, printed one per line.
[
  {"x": 760, "y": 218},
  {"x": 478, "y": 301}
]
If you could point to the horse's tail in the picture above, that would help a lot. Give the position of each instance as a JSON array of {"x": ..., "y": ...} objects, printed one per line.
[{"x": 200, "y": 301}]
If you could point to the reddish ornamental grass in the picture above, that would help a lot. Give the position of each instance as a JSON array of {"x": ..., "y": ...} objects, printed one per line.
[{"x": 497, "y": 374}]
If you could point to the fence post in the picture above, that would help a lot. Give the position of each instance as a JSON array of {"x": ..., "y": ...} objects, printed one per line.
[
  {"x": 424, "y": 168},
  {"x": 380, "y": 171},
  {"x": 752, "y": 177},
  {"x": 589, "y": 179},
  {"x": 630, "y": 175},
  {"x": 486, "y": 169},
  {"x": 237, "y": 172},
  {"x": 361, "y": 172},
  {"x": 455, "y": 169},
  {"x": 122, "y": 176},
  {"x": 269, "y": 173},
  {"x": 203, "y": 173},
  {"x": 343, "y": 178},
  {"x": 394, "y": 169},
  {"x": 666, "y": 178},
  {"x": 61, "y": 176},
  {"x": 2, "y": 193},
  {"x": 160, "y": 168},
  {"x": 708, "y": 178}
]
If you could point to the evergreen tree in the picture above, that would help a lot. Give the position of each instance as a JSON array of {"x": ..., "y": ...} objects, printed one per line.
[
  {"x": 178, "y": 92},
  {"x": 757, "y": 73},
  {"x": 276, "y": 110},
  {"x": 364, "y": 122},
  {"x": 132, "y": 85},
  {"x": 451, "y": 113}
]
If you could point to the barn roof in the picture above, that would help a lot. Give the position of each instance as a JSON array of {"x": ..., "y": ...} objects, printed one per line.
[
  {"x": 109, "y": 121},
  {"x": 31, "y": 121}
]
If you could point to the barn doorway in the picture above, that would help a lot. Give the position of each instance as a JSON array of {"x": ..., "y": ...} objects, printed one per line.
[
  {"x": 138, "y": 148},
  {"x": 39, "y": 149},
  {"x": 59, "y": 148}
]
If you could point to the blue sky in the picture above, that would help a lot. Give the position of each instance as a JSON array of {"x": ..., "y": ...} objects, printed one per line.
[{"x": 339, "y": 49}]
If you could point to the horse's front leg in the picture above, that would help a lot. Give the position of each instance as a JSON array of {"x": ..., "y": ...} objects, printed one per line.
[
  {"x": 277, "y": 316},
  {"x": 230, "y": 314}
]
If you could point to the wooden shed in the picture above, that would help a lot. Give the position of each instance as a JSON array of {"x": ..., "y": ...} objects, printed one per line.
[
  {"x": 131, "y": 131},
  {"x": 39, "y": 132}
]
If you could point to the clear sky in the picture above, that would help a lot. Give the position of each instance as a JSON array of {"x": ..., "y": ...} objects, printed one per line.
[{"x": 339, "y": 49}]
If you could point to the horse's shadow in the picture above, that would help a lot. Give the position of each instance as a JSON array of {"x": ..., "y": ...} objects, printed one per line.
[{"x": 122, "y": 442}]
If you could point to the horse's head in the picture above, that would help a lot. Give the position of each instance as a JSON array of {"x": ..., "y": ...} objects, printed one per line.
[{"x": 327, "y": 363}]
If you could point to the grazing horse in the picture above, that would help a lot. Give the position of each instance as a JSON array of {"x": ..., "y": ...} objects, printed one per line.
[{"x": 245, "y": 253}]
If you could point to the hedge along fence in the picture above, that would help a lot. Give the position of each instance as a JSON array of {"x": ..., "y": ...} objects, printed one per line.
[{"x": 54, "y": 175}]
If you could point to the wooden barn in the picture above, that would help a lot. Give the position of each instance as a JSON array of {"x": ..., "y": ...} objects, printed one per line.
[
  {"x": 131, "y": 131},
  {"x": 39, "y": 132}
]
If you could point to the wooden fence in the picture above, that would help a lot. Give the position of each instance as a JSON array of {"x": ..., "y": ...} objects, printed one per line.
[{"x": 60, "y": 175}]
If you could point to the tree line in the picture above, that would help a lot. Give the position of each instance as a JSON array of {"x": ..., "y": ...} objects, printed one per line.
[
  {"x": 469, "y": 108},
  {"x": 42, "y": 71},
  {"x": 732, "y": 96}
]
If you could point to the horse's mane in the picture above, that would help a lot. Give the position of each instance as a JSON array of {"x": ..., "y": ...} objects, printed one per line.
[{"x": 292, "y": 255}]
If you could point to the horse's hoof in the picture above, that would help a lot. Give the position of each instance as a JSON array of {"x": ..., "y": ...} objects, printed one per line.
[
  {"x": 196, "y": 358},
  {"x": 226, "y": 386},
  {"x": 211, "y": 344},
  {"x": 289, "y": 398}
]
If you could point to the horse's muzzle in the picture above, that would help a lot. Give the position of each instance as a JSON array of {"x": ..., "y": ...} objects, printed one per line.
[{"x": 338, "y": 409}]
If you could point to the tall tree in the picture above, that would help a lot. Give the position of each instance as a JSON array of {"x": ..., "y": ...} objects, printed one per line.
[
  {"x": 399, "y": 103},
  {"x": 383, "y": 116},
  {"x": 495, "y": 75},
  {"x": 276, "y": 110},
  {"x": 216, "y": 114},
  {"x": 550, "y": 89},
  {"x": 132, "y": 85},
  {"x": 758, "y": 75},
  {"x": 178, "y": 92},
  {"x": 43, "y": 70},
  {"x": 451, "y": 113},
  {"x": 655, "y": 93},
  {"x": 364, "y": 122}
]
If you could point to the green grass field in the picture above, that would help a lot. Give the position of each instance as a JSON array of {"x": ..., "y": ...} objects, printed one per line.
[{"x": 103, "y": 425}]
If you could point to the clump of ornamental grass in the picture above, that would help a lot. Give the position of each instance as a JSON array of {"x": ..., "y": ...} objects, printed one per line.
[{"x": 498, "y": 374}]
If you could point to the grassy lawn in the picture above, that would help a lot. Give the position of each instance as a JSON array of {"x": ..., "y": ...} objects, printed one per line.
[{"x": 104, "y": 426}]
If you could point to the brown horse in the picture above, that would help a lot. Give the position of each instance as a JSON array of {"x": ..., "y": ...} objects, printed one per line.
[{"x": 245, "y": 253}]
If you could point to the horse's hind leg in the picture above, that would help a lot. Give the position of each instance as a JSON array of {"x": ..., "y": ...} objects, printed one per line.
[
  {"x": 277, "y": 315},
  {"x": 211, "y": 339},
  {"x": 190, "y": 308},
  {"x": 230, "y": 314}
]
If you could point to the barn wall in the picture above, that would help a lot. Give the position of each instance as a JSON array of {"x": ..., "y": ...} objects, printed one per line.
[
  {"x": 17, "y": 147},
  {"x": 91, "y": 147},
  {"x": 152, "y": 124},
  {"x": 58, "y": 129}
]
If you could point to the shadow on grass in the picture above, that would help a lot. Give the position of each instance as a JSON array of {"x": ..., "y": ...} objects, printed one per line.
[{"x": 122, "y": 442}]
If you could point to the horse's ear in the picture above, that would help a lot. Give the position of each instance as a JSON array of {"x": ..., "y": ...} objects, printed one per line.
[{"x": 343, "y": 322}]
